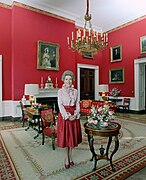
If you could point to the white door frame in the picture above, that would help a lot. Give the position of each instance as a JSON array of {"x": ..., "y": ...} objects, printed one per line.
[
  {"x": 96, "y": 81},
  {"x": 139, "y": 88}
]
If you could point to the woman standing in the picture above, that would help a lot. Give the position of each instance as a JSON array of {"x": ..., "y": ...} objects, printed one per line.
[{"x": 68, "y": 125}]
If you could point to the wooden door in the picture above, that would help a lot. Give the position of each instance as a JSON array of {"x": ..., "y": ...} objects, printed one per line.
[{"x": 87, "y": 83}]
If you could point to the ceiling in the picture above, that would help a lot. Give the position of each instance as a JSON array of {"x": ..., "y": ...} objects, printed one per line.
[{"x": 106, "y": 14}]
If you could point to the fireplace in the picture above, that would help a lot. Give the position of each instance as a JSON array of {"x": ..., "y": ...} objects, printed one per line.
[{"x": 48, "y": 96}]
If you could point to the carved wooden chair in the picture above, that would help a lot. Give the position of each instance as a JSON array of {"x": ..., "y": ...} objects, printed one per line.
[
  {"x": 48, "y": 126},
  {"x": 125, "y": 106},
  {"x": 24, "y": 116}
]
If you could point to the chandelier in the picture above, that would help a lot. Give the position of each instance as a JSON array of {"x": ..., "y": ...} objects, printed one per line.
[{"x": 88, "y": 40}]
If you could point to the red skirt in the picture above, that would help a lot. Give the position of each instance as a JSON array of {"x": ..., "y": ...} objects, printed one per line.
[{"x": 68, "y": 132}]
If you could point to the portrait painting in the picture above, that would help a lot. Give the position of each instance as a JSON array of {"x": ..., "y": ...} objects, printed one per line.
[
  {"x": 116, "y": 53},
  {"x": 48, "y": 56},
  {"x": 116, "y": 75},
  {"x": 88, "y": 55},
  {"x": 143, "y": 44}
]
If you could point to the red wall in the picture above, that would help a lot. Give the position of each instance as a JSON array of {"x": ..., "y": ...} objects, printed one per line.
[
  {"x": 28, "y": 27},
  {"x": 22, "y": 28},
  {"x": 5, "y": 50},
  {"x": 129, "y": 38}
]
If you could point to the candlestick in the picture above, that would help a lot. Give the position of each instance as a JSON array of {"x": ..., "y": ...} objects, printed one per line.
[
  {"x": 84, "y": 32},
  {"x": 106, "y": 37},
  {"x": 56, "y": 84},
  {"x": 42, "y": 83},
  {"x": 89, "y": 32},
  {"x": 68, "y": 40},
  {"x": 42, "y": 80},
  {"x": 72, "y": 36},
  {"x": 97, "y": 36},
  {"x": 42, "y": 86}
]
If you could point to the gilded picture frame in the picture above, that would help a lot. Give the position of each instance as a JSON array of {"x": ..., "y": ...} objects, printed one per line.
[
  {"x": 143, "y": 45},
  {"x": 116, "y": 53},
  {"x": 88, "y": 55},
  {"x": 48, "y": 56},
  {"x": 116, "y": 75}
]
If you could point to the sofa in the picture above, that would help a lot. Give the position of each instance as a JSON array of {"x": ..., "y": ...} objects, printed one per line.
[{"x": 85, "y": 105}]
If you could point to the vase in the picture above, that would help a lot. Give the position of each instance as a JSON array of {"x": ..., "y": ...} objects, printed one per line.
[{"x": 103, "y": 124}]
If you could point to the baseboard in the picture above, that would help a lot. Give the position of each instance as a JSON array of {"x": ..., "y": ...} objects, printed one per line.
[
  {"x": 137, "y": 112},
  {"x": 10, "y": 118}
]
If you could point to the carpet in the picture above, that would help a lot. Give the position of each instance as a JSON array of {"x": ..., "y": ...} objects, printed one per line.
[{"x": 22, "y": 157}]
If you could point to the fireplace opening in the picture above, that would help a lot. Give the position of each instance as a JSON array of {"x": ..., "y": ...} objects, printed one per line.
[{"x": 50, "y": 101}]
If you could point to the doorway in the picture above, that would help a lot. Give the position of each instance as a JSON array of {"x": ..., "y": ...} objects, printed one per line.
[
  {"x": 139, "y": 100},
  {"x": 87, "y": 83},
  {"x": 95, "y": 80}
]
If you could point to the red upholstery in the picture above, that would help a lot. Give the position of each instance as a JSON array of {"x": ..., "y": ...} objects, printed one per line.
[
  {"x": 24, "y": 116},
  {"x": 48, "y": 126},
  {"x": 125, "y": 106},
  {"x": 47, "y": 116},
  {"x": 85, "y": 105},
  {"x": 48, "y": 131}
]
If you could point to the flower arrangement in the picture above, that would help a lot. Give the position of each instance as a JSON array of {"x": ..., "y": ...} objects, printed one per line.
[
  {"x": 115, "y": 92},
  {"x": 100, "y": 115}
]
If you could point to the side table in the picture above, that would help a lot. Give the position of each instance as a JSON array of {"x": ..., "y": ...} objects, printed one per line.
[{"x": 111, "y": 131}]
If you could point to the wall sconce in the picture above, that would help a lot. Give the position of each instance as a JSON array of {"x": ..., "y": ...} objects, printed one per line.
[
  {"x": 31, "y": 90},
  {"x": 103, "y": 90}
]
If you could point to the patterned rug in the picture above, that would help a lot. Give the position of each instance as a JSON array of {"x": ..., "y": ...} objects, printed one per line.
[{"x": 22, "y": 157}]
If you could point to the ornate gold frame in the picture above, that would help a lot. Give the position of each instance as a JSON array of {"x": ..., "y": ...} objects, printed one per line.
[
  {"x": 116, "y": 75},
  {"x": 116, "y": 53},
  {"x": 143, "y": 45},
  {"x": 48, "y": 56}
]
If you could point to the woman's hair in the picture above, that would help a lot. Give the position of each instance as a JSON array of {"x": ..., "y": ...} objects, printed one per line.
[{"x": 68, "y": 73}]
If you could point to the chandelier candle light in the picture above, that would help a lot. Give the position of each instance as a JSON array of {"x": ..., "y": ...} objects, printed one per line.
[{"x": 88, "y": 40}]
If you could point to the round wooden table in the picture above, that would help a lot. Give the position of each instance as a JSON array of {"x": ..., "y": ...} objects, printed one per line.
[{"x": 95, "y": 130}]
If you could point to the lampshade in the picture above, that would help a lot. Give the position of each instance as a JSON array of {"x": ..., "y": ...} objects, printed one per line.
[
  {"x": 103, "y": 88},
  {"x": 31, "y": 89}
]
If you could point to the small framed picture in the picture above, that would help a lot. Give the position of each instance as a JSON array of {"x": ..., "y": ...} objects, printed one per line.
[
  {"x": 116, "y": 75},
  {"x": 143, "y": 44},
  {"x": 88, "y": 55},
  {"x": 48, "y": 56},
  {"x": 116, "y": 53}
]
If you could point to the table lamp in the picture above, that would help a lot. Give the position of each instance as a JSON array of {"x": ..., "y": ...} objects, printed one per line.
[
  {"x": 103, "y": 90},
  {"x": 31, "y": 90}
]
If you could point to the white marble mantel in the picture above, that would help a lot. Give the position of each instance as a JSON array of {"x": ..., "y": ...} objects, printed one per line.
[{"x": 47, "y": 93}]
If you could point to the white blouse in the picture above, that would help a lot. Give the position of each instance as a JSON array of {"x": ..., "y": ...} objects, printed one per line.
[{"x": 68, "y": 97}]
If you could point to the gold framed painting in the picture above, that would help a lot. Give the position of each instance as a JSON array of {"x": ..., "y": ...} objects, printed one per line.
[
  {"x": 88, "y": 55},
  {"x": 116, "y": 75},
  {"x": 143, "y": 44},
  {"x": 116, "y": 53},
  {"x": 48, "y": 56}
]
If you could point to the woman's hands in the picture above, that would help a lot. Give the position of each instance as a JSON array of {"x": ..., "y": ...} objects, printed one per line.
[{"x": 72, "y": 117}]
